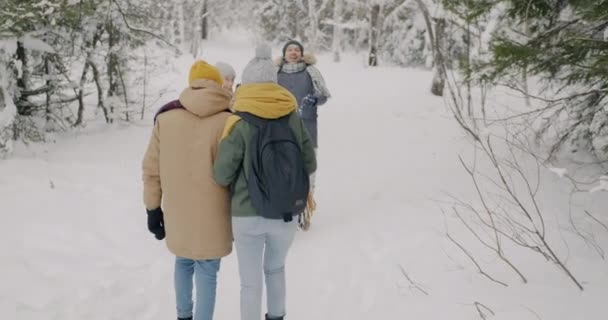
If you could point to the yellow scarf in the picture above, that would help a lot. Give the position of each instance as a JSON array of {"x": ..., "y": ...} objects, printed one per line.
[{"x": 265, "y": 100}]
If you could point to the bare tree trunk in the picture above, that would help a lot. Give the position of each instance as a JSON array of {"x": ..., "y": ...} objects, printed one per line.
[
  {"x": 100, "y": 99},
  {"x": 124, "y": 92},
  {"x": 469, "y": 71},
  {"x": 337, "y": 36},
  {"x": 373, "y": 39},
  {"x": 204, "y": 22},
  {"x": 24, "y": 107},
  {"x": 314, "y": 25},
  {"x": 436, "y": 38},
  {"x": 6, "y": 127},
  {"x": 199, "y": 32},
  {"x": 438, "y": 58},
  {"x": 167, "y": 16},
  {"x": 524, "y": 78},
  {"x": 143, "y": 104},
  {"x": 178, "y": 23},
  {"x": 80, "y": 112},
  {"x": 292, "y": 11},
  {"x": 47, "y": 103},
  {"x": 90, "y": 47},
  {"x": 429, "y": 25},
  {"x": 113, "y": 69}
]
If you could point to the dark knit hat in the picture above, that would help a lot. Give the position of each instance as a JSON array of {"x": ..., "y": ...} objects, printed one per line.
[{"x": 290, "y": 42}]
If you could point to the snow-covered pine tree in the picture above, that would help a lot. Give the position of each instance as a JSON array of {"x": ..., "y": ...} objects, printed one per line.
[
  {"x": 469, "y": 25},
  {"x": 566, "y": 47},
  {"x": 34, "y": 65},
  {"x": 337, "y": 36},
  {"x": 44, "y": 42},
  {"x": 7, "y": 107}
]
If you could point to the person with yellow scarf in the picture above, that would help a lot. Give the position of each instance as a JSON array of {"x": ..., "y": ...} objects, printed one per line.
[{"x": 261, "y": 244}]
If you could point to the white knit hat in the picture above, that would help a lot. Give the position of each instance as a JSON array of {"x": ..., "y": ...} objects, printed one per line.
[
  {"x": 260, "y": 68},
  {"x": 225, "y": 69}
]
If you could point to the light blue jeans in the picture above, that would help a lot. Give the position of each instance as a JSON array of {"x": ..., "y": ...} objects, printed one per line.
[
  {"x": 204, "y": 273},
  {"x": 261, "y": 247}
]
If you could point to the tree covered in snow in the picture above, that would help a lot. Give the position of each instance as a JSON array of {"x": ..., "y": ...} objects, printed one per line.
[
  {"x": 53, "y": 50},
  {"x": 564, "y": 44},
  {"x": 392, "y": 29},
  {"x": 61, "y": 56},
  {"x": 561, "y": 45},
  {"x": 7, "y": 107}
]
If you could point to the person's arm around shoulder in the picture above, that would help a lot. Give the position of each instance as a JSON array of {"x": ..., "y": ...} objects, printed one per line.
[{"x": 230, "y": 154}]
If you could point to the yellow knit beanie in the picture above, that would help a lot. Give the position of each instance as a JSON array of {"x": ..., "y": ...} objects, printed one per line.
[{"x": 202, "y": 70}]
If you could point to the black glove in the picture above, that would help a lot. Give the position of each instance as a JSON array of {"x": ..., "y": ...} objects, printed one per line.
[
  {"x": 308, "y": 107},
  {"x": 156, "y": 223}
]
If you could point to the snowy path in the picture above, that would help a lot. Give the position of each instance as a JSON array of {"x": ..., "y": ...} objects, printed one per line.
[{"x": 75, "y": 246}]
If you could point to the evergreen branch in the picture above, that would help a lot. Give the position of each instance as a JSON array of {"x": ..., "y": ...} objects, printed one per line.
[
  {"x": 464, "y": 29},
  {"x": 551, "y": 32},
  {"x": 568, "y": 98},
  {"x": 562, "y": 139}
]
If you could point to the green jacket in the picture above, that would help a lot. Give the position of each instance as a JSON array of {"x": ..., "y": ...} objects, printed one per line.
[{"x": 268, "y": 101}]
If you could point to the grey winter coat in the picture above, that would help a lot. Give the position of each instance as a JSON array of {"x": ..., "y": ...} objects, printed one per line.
[{"x": 300, "y": 83}]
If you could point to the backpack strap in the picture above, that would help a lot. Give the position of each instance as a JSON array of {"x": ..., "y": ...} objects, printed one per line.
[
  {"x": 259, "y": 121},
  {"x": 175, "y": 104},
  {"x": 253, "y": 119}
]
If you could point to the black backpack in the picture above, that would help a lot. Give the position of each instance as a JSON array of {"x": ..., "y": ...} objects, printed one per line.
[{"x": 277, "y": 181}]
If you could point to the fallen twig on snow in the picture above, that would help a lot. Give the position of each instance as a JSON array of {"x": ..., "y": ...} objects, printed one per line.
[{"x": 413, "y": 285}]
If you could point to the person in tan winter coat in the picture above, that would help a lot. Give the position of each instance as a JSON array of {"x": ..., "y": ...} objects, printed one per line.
[{"x": 182, "y": 200}]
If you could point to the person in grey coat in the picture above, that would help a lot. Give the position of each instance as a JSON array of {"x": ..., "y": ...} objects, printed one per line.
[{"x": 298, "y": 74}]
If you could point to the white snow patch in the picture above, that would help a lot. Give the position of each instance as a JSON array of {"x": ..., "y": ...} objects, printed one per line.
[
  {"x": 603, "y": 185},
  {"x": 35, "y": 44},
  {"x": 560, "y": 172}
]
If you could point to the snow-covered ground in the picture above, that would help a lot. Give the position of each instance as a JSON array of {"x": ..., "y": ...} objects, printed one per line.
[{"x": 74, "y": 243}]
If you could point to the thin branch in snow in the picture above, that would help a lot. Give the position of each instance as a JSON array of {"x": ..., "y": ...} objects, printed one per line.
[
  {"x": 498, "y": 248},
  {"x": 457, "y": 265},
  {"x": 533, "y": 312},
  {"x": 597, "y": 220},
  {"x": 412, "y": 283},
  {"x": 482, "y": 310},
  {"x": 474, "y": 261},
  {"x": 588, "y": 237}
]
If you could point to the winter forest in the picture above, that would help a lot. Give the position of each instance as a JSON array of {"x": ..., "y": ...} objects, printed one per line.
[{"x": 463, "y": 159}]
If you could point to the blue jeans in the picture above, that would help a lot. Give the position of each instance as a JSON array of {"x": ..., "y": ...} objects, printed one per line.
[
  {"x": 204, "y": 273},
  {"x": 261, "y": 247}
]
